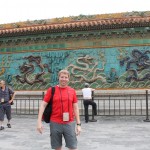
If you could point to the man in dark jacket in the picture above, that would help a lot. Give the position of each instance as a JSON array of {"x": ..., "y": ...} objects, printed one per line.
[{"x": 6, "y": 98}]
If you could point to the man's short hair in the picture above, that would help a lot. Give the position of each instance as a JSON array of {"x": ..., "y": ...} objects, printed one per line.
[
  {"x": 2, "y": 81},
  {"x": 64, "y": 72},
  {"x": 86, "y": 85}
]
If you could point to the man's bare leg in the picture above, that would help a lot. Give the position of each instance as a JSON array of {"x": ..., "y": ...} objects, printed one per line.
[
  {"x": 58, "y": 148},
  {"x": 1, "y": 125}
]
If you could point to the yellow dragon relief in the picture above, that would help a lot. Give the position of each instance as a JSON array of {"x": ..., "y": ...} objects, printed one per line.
[{"x": 2, "y": 71}]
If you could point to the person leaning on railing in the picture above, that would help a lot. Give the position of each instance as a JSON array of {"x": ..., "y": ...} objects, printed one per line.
[{"x": 87, "y": 100}]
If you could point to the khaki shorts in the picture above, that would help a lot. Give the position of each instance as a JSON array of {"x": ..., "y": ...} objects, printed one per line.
[{"x": 57, "y": 131}]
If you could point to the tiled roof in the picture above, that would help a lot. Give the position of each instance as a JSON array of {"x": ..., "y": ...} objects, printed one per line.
[{"x": 110, "y": 21}]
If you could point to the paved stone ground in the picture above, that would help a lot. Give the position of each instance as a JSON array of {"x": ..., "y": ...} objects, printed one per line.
[{"x": 108, "y": 133}]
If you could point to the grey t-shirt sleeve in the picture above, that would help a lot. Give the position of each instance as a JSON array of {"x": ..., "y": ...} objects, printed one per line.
[{"x": 11, "y": 92}]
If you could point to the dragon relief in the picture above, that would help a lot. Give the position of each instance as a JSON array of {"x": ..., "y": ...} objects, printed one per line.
[
  {"x": 141, "y": 61},
  {"x": 2, "y": 71},
  {"x": 3, "y": 66},
  {"x": 86, "y": 65},
  {"x": 27, "y": 69}
]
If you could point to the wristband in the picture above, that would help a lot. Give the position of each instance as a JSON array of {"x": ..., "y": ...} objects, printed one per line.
[{"x": 78, "y": 124}]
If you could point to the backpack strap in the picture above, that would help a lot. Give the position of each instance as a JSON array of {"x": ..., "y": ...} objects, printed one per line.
[{"x": 52, "y": 92}]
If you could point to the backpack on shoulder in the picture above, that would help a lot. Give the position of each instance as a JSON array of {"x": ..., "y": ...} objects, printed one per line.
[{"x": 48, "y": 109}]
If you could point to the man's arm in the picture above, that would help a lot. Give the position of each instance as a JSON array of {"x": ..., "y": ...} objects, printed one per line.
[
  {"x": 12, "y": 98},
  {"x": 92, "y": 89},
  {"x": 41, "y": 110},
  {"x": 11, "y": 95},
  {"x": 76, "y": 112}
]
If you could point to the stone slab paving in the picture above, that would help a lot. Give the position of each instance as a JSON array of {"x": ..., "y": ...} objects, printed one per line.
[{"x": 108, "y": 133}]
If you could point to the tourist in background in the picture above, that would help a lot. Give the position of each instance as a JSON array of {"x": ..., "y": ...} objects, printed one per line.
[
  {"x": 87, "y": 100},
  {"x": 6, "y": 98}
]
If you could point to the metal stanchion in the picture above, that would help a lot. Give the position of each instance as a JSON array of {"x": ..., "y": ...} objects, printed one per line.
[
  {"x": 147, "y": 116},
  {"x": 43, "y": 93}
]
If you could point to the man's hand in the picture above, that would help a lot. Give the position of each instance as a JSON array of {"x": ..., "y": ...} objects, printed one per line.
[
  {"x": 40, "y": 127},
  {"x": 10, "y": 101},
  {"x": 78, "y": 130}
]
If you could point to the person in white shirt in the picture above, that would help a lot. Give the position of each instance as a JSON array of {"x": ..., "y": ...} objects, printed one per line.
[{"x": 87, "y": 100}]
